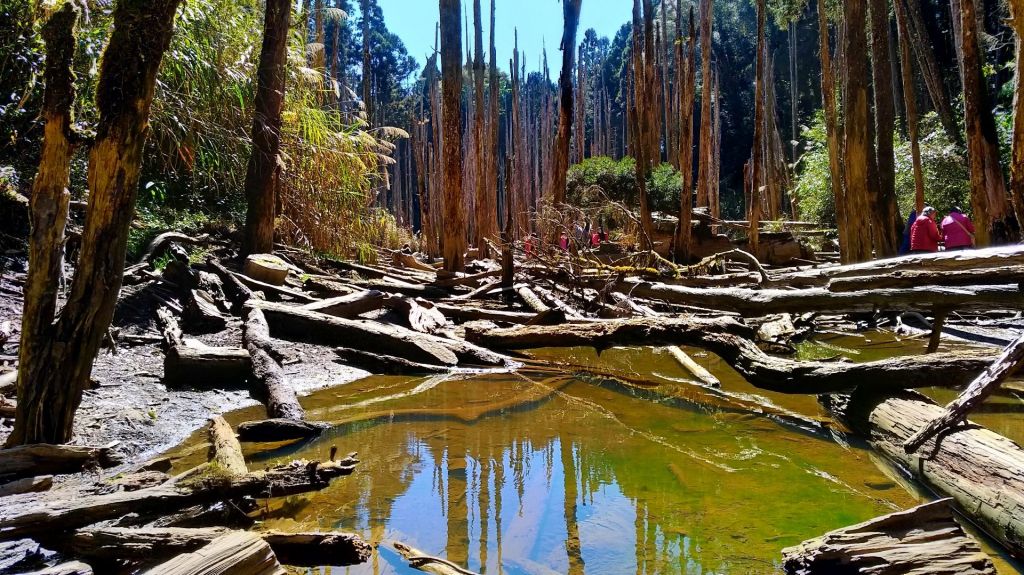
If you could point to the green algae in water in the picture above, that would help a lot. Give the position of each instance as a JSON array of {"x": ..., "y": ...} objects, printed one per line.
[{"x": 504, "y": 474}]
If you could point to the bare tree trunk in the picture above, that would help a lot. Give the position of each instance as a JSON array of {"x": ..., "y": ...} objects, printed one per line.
[
  {"x": 494, "y": 113},
  {"x": 364, "y": 10},
  {"x": 454, "y": 244},
  {"x": 484, "y": 202},
  {"x": 910, "y": 102},
  {"x": 757, "y": 162},
  {"x": 1017, "y": 161},
  {"x": 560, "y": 151},
  {"x": 686, "y": 78},
  {"x": 856, "y": 131},
  {"x": 262, "y": 176},
  {"x": 887, "y": 224},
  {"x": 704, "y": 157},
  {"x": 929, "y": 67},
  {"x": 828, "y": 95},
  {"x": 54, "y": 374}
]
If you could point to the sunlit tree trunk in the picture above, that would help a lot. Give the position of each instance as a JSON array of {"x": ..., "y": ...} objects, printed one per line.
[
  {"x": 686, "y": 77},
  {"x": 454, "y": 244},
  {"x": 1017, "y": 163},
  {"x": 930, "y": 70},
  {"x": 261, "y": 179},
  {"x": 757, "y": 161},
  {"x": 910, "y": 103},
  {"x": 54, "y": 373},
  {"x": 858, "y": 148},
  {"x": 494, "y": 113},
  {"x": 560, "y": 151},
  {"x": 364, "y": 11},
  {"x": 704, "y": 159},
  {"x": 836, "y": 168}
]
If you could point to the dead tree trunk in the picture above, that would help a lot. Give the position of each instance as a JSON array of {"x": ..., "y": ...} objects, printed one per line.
[
  {"x": 281, "y": 400},
  {"x": 887, "y": 225},
  {"x": 57, "y": 371},
  {"x": 930, "y": 71},
  {"x": 705, "y": 150},
  {"x": 484, "y": 202},
  {"x": 757, "y": 162},
  {"x": 454, "y": 234},
  {"x": 686, "y": 77},
  {"x": 1017, "y": 161},
  {"x": 836, "y": 168},
  {"x": 50, "y": 196},
  {"x": 261, "y": 178},
  {"x": 910, "y": 103},
  {"x": 560, "y": 149}
]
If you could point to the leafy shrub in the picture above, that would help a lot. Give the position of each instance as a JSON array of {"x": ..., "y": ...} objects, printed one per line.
[{"x": 618, "y": 180}]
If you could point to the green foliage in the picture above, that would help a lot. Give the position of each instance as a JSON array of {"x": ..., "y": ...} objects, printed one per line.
[
  {"x": 945, "y": 172},
  {"x": 618, "y": 180}
]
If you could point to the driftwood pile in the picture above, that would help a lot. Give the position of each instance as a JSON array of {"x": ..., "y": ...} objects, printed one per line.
[{"x": 406, "y": 316}]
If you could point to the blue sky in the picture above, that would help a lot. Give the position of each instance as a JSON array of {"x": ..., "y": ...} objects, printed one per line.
[{"x": 539, "y": 22}]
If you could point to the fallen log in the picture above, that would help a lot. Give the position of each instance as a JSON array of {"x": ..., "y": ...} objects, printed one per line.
[
  {"x": 428, "y": 563},
  {"x": 264, "y": 287},
  {"x": 731, "y": 341},
  {"x": 8, "y": 407},
  {"x": 236, "y": 291},
  {"x": 349, "y": 306},
  {"x": 383, "y": 364},
  {"x": 291, "y": 322},
  {"x": 696, "y": 369},
  {"x": 281, "y": 400},
  {"x": 297, "y": 549},
  {"x": 982, "y": 471},
  {"x": 985, "y": 385},
  {"x": 422, "y": 316},
  {"x": 8, "y": 382},
  {"x": 35, "y": 517},
  {"x": 26, "y": 485},
  {"x": 236, "y": 553},
  {"x": 69, "y": 568},
  {"x": 402, "y": 259},
  {"x": 190, "y": 362},
  {"x": 279, "y": 430},
  {"x": 461, "y": 280},
  {"x": 466, "y": 313},
  {"x": 265, "y": 268},
  {"x": 903, "y": 279},
  {"x": 201, "y": 313},
  {"x": 46, "y": 459},
  {"x": 404, "y": 288},
  {"x": 531, "y": 300},
  {"x": 751, "y": 302},
  {"x": 225, "y": 450},
  {"x": 925, "y": 539}
]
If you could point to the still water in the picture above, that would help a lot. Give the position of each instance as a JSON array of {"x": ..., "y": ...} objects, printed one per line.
[{"x": 577, "y": 474}]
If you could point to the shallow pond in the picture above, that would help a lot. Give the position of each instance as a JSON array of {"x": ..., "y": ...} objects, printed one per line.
[{"x": 582, "y": 474}]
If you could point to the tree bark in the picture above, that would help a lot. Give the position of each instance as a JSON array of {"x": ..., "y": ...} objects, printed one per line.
[
  {"x": 236, "y": 553},
  {"x": 53, "y": 379},
  {"x": 704, "y": 182},
  {"x": 910, "y": 103},
  {"x": 887, "y": 224},
  {"x": 454, "y": 235},
  {"x": 1017, "y": 160},
  {"x": 484, "y": 201},
  {"x": 261, "y": 178},
  {"x": 757, "y": 160},
  {"x": 832, "y": 129},
  {"x": 858, "y": 148},
  {"x": 560, "y": 148},
  {"x": 687, "y": 80}
]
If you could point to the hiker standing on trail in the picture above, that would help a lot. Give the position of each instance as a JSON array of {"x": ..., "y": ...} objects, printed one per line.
[
  {"x": 957, "y": 230},
  {"x": 924, "y": 234}
]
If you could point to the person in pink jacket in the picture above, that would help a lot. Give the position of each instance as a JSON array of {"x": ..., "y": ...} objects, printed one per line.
[{"x": 957, "y": 231}]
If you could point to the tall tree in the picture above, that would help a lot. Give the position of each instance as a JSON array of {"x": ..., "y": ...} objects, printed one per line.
[
  {"x": 1017, "y": 162},
  {"x": 484, "y": 202},
  {"x": 887, "y": 224},
  {"x": 704, "y": 182},
  {"x": 55, "y": 370},
  {"x": 686, "y": 79},
  {"x": 832, "y": 127},
  {"x": 910, "y": 102},
  {"x": 988, "y": 190},
  {"x": 364, "y": 14},
  {"x": 859, "y": 147},
  {"x": 261, "y": 178},
  {"x": 757, "y": 160},
  {"x": 560, "y": 149},
  {"x": 494, "y": 118},
  {"x": 454, "y": 239}
]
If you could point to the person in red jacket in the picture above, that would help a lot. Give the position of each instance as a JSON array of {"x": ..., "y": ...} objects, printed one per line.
[{"x": 924, "y": 234}]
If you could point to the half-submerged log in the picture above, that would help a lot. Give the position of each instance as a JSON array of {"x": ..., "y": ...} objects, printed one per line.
[
  {"x": 696, "y": 369},
  {"x": 925, "y": 540},
  {"x": 428, "y": 563},
  {"x": 297, "y": 549},
  {"x": 982, "y": 471},
  {"x": 383, "y": 364},
  {"x": 28, "y": 517},
  {"x": 731, "y": 341},
  {"x": 279, "y": 430},
  {"x": 226, "y": 451},
  {"x": 237, "y": 553}
]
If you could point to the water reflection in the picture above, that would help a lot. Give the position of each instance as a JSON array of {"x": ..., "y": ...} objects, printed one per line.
[{"x": 503, "y": 474}]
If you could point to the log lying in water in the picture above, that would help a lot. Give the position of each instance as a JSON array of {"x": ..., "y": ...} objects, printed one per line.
[
  {"x": 29, "y": 517},
  {"x": 42, "y": 458},
  {"x": 292, "y": 322},
  {"x": 227, "y": 453},
  {"x": 731, "y": 340},
  {"x": 279, "y": 430},
  {"x": 383, "y": 364},
  {"x": 428, "y": 563},
  {"x": 982, "y": 471},
  {"x": 281, "y": 400},
  {"x": 751, "y": 302},
  {"x": 925, "y": 539},
  {"x": 236, "y": 553},
  {"x": 298, "y": 549}
]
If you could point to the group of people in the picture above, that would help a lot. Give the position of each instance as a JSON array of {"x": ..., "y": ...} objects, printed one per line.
[
  {"x": 955, "y": 231},
  {"x": 585, "y": 237}
]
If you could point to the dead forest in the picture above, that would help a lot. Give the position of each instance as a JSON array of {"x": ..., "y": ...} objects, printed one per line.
[{"x": 188, "y": 245}]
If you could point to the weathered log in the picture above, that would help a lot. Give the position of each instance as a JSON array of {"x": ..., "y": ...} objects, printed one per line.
[
  {"x": 43, "y": 459},
  {"x": 987, "y": 383},
  {"x": 428, "y": 563},
  {"x": 191, "y": 363},
  {"x": 905, "y": 279},
  {"x": 292, "y": 322},
  {"x": 69, "y": 568},
  {"x": 162, "y": 241},
  {"x": 30, "y": 517},
  {"x": 236, "y": 553},
  {"x": 751, "y": 302},
  {"x": 298, "y": 549},
  {"x": 461, "y": 279},
  {"x": 570, "y": 312},
  {"x": 266, "y": 268},
  {"x": 349, "y": 306},
  {"x": 279, "y": 430},
  {"x": 383, "y": 364},
  {"x": 201, "y": 313},
  {"x": 982, "y": 471},
  {"x": 236, "y": 291},
  {"x": 273, "y": 289},
  {"x": 281, "y": 399},
  {"x": 531, "y": 300},
  {"x": 225, "y": 449},
  {"x": 8, "y": 382},
  {"x": 401, "y": 259},
  {"x": 696, "y": 369},
  {"x": 475, "y": 313},
  {"x": 731, "y": 340},
  {"x": 8, "y": 407},
  {"x": 925, "y": 540},
  {"x": 421, "y": 315},
  {"x": 407, "y": 289},
  {"x": 27, "y": 485}
]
